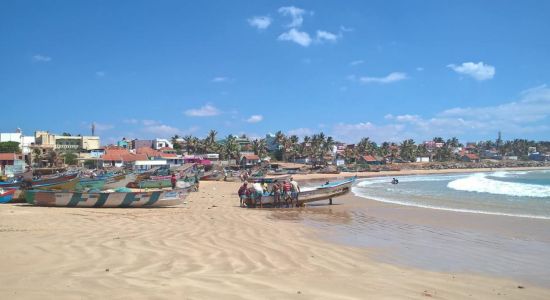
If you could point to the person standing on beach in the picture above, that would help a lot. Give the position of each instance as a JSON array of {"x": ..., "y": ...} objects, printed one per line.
[
  {"x": 286, "y": 192},
  {"x": 275, "y": 190},
  {"x": 173, "y": 180},
  {"x": 242, "y": 193},
  {"x": 295, "y": 189}
]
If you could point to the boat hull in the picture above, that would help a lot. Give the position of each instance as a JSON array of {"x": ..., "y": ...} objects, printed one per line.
[
  {"x": 114, "y": 199},
  {"x": 323, "y": 192},
  {"x": 7, "y": 195}
]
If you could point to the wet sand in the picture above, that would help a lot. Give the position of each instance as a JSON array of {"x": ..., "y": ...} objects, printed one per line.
[{"x": 209, "y": 248}]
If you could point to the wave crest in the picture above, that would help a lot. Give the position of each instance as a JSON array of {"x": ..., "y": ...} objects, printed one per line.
[{"x": 481, "y": 184}]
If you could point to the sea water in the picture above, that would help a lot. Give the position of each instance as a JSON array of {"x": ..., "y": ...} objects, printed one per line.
[
  {"x": 509, "y": 193},
  {"x": 513, "y": 196}
]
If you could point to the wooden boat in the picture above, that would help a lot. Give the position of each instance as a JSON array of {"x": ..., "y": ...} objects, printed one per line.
[
  {"x": 213, "y": 176},
  {"x": 87, "y": 183},
  {"x": 6, "y": 195},
  {"x": 66, "y": 185},
  {"x": 106, "y": 199},
  {"x": 322, "y": 192}
]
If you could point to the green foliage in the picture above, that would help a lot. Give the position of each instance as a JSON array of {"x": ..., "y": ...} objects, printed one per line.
[
  {"x": 70, "y": 158},
  {"x": 9, "y": 147}
]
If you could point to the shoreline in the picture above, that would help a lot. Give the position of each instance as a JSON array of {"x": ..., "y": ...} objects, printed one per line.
[
  {"x": 209, "y": 248},
  {"x": 488, "y": 245},
  {"x": 342, "y": 175}
]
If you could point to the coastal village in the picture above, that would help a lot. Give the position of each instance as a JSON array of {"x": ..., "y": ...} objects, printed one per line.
[{"x": 275, "y": 152}]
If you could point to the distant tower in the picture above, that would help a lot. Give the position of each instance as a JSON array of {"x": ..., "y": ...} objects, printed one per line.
[{"x": 93, "y": 129}]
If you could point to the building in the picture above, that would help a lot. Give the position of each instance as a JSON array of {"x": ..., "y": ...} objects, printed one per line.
[
  {"x": 162, "y": 143},
  {"x": 470, "y": 157},
  {"x": 45, "y": 140},
  {"x": 271, "y": 142},
  {"x": 119, "y": 157},
  {"x": 11, "y": 163},
  {"x": 123, "y": 144},
  {"x": 369, "y": 160},
  {"x": 249, "y": 160},
  {"x": 136, "y": 144},
  {"x": 25, "y": 142}
]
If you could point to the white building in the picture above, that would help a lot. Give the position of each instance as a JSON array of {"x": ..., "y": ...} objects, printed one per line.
[
  {"x": 24, "y": 141},
  {"x": 162, "y": 143}
]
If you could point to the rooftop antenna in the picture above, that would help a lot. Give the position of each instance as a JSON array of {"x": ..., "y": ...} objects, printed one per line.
[{"x": 93, "y": 129}]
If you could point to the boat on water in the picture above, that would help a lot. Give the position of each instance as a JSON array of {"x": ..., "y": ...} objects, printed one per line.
[
  {"x": 6, "y": 195},
  {"x": 156, "y": 198},
  {"x": 327, "y": 191}
]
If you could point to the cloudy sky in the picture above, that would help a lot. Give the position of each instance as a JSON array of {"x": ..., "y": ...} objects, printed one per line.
[{"x": 387, "y": 70}]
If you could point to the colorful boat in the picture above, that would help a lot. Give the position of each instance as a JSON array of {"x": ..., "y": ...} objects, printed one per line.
[
  {"x": 6, "y": 195},
  {"x": 106, "y": 199},
  {"x": 309, "y": 194},
  {"x": 61, "y": 186},
  {"x": 86, "y": 183}
]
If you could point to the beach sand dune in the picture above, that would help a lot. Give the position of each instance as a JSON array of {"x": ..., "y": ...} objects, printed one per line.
[{"x": 208, "y": 248}]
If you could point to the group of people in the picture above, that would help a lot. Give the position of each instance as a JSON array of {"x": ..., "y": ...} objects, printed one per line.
[{"x": 286, "y": 191}]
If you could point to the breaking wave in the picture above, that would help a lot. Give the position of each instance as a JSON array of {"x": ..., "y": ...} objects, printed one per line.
[{"x": 481, "y": 184}]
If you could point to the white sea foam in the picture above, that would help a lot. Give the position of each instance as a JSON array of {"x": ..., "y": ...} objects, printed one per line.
[
  {"x": 504, "y": 174},
  {"x": 359, "y": 193},
  {"x": 409, "y": 178},
  {"x": 481, "y": 184}
]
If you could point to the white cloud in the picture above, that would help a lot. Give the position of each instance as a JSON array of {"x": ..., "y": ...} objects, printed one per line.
[
  {"x": 255, "y": 119},
  {"x": 260, "y": 22},
  {"x": 392, "y": 77},
  {"x": 295, "y": 13},
  {"x": 100, "y": 74},
  {"x": 356, "y": 62},
  {"x": 299, "y": 37},
  {"x": 529, "y": 115},
  {"x": 479, "y": 71},
  {"x": 326, "y": 36},
  {"x": 162, "y": 130},
  {"x": 220, "y": 79},
  {"x": 346, "y": 29},
  {"x": 300, "y": 132},
  {"x": 130, "y": 121},
  {"x": 378, "y": 133},
  {"x": 207, "y": 110},
  {"x": 41, "y": 58}
]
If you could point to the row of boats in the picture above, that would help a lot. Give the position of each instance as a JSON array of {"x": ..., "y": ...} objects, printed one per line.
[
  {"x": 149, "y": 189},
  {"x": 109, "y": 189}
]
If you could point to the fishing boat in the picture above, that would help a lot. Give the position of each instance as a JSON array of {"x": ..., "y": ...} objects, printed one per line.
[
  {"x": 213, "y": 176},
  {"x": 327, "y": 191},
  {"x": 60, "y": 186},
  {"x": 106, "y": 199},
  {"x": 88, "y": 183},
  {"x": 6, "y": 195}
]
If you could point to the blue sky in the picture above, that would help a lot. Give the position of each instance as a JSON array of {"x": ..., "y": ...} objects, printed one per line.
[{"x": 387, "y": 70}]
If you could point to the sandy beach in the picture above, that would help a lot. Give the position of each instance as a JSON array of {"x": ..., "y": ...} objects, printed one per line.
[{"x": 209, "y": 248}]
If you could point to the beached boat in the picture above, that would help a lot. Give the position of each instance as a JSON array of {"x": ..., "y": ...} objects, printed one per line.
[
  {"x": 213, "y": 176},
  {"x": 58, "y": 186},
  {"x": 6, "y": 195},
  {"x": 88, "y": 183},
  {"x": 107, "y": 199},
  {"x": 327, "y": 191}
]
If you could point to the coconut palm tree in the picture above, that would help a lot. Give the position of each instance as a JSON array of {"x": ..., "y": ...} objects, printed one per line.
[{"x": 408, "y": 150}]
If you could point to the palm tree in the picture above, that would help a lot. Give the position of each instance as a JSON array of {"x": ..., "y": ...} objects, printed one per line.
[
  {"x": 408, "y": 150},
  {"x": 230, "y": 148}
]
